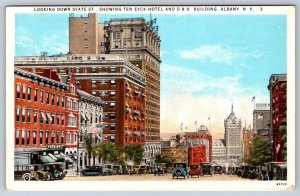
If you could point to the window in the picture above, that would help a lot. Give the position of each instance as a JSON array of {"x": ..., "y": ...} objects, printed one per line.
[
  {"x": 137, "y": 34},
  {"x": 47, "y": 137},
  {"x": 35, "y": 94},
  {"x": 53, "y": 118},
  {"x": 52, "y": 98},
  {"x": 29, "y": 115},
  {"x": 112, "y": 116},
  {"x": 72, "y": 89},
  {"x": 34, "y": 137},
  {"x": 91, "y": 118},
  {"x": 18, "y": 91},
  {"x": 41, "y": 137},
  {"x": 28, "y": 137},
  {"x": 94, "y": 83},
  {"x": 47, "y": 98},
  {"x": 116, "y": 35},
  {"x": 52, "y": 137},
  {"x": 43, "y": 117},
  {"x": 75, "y": 138},
  {"x": 17, "y": 137},
  {"x": 23, "y": 137},
  {"x": 62, "y": 137},
  {"x": 72, "y": 120},
  {"x": 23, "y": 114},
  {"x": 75, "y": 105},
  {"x": 63, "y": 120},
  {"x": 69, "y": 104},
  {"x": 29, "y": 93},
  {"x": 18, "y": 114},
  {"x": 93, "y": 69},
  {"x": 57, "y": 118},
  {"x": 112, "y": 105},
  {"x": 57, "y": 137},
  {"x": 42, "y": 96},
  {"x": 68, "y": 138},
  {"x": 24, "y": 92},
  {"x": 62, "y": 101},
  {"x": 112, "y": 82},
  {"x": 35, "y": 118},
  {"x": 58, "y": 99}
]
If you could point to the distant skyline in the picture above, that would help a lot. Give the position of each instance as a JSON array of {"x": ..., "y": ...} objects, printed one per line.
[{"x": 208, "y": 61}]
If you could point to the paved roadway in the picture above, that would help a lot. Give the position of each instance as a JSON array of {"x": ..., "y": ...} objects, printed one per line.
[{"x": 151, "y": 177}]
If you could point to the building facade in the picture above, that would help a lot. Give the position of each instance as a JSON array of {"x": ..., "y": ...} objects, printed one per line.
[
  {"x": 137, "y": 41},
  {"x": 248, "y": 136},
  {"x": 91, "y": 113},
  {"x": 261, "y": 120},
  {"x": 233, "y": 138},
  {"x": 120, "y": 84},
  {"x": 39, "y": 113},
  {"x": 201, "y": 137},
  {"x": 278, "y": 102},
  {"x": 218, "y": 152}
]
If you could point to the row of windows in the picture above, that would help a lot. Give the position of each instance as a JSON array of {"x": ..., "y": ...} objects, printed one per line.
[
  {"x": 39, "y": 116},
  {"x": 72, "y": 105},
  {"x": 48, "y": 98},
  {"x": 134, "y": 139},
  {"x": 42, "y": 137}
]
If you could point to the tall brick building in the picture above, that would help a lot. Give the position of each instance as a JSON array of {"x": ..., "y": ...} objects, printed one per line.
[
  {"x": 136, "y": 40},
  {"x": 278, "y": 92}
]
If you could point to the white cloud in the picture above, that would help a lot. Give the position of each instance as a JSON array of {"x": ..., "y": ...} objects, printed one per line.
[
  {"x": 52, "y": 44},
  {"x": 188, "y": 95},
  {"x": 218, "y": 54}
]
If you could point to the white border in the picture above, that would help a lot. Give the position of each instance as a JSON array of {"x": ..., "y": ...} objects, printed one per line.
[{"x": 289, "y": 11}]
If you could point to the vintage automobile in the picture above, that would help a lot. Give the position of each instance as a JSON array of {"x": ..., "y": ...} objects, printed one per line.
[
  {"x": 218, "y": 170},
  {"x": 206, "y": 169},
  {"x": 277, "y": 171},
  {"x": 160, "y": 169},
  {"x": 194, "y": 171},
  {"x": 231, "y": 171},
  {"x": 142, "y": 170},
  {"x": 94, "y": 171},
  {"x": 180, "y": 170}
]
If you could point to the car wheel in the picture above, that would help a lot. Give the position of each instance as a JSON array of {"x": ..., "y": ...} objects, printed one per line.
[
  {"x": 26, "y": 177},
  {"x": 83, "y": 173}
]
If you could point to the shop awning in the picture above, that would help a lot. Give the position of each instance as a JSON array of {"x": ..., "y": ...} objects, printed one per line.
[
  {"x": 49, "y": 117},
  {"x": 43, "y": 116},
  {"x": 83, "y": 116}
]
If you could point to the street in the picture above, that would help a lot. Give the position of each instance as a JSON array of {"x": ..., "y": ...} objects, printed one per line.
[{"x": 151, "y": 177}]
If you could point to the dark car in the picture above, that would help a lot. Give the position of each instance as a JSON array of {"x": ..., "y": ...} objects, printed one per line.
[
  {"x": 94, "y": 171},
  {"x": 231, "y": 171},
  {"x": 218, "y": 170},
  {"x": 194, "y": 171},
  {"x": 160, "y": 170},
  {"x": 277, "y": 171},
  {"x": 206, "y": 169},
  {"x": 180, "y": 170}
]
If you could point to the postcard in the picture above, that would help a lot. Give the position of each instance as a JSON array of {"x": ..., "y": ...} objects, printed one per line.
[{"x": 150, "y": 98}]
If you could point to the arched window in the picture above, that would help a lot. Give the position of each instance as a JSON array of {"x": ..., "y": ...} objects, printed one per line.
[{"x": 17, "y": 137}]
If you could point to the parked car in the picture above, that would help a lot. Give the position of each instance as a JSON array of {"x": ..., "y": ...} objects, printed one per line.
[
  {"x": 94, "y": 171},
  {"x": 218, "y": 170},
  {"x": 231, "y": 171},
  {"x": 180, "y": 170},
  {"x": 194, "y": 171},
  {"x": 206, "y": 169},
  {"x": 160, "y": 170},
  {"x": 277, "y": 171}
]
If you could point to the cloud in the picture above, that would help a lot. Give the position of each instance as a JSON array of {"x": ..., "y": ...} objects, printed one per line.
[
  {"x": 218, "y": 54},
  {"x": 53, "y": 44},
  {"x": 188, "y": 95}
]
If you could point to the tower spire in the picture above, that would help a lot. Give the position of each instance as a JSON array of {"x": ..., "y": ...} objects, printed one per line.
[{"x": 231, "y": 107}]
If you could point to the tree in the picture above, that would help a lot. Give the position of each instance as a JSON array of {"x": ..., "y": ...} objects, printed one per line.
[
  {"x": 159, "y": 158},
  {"x": 135, "y": 152},
  {"x": 283, "y": 134},
  {"x": 260, "y": 152},
  {"x": 107, "y": 151},
  {"x": 88, "y": 145}
]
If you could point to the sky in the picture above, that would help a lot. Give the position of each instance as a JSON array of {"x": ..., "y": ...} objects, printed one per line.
[{"x": 209, "y": 62}]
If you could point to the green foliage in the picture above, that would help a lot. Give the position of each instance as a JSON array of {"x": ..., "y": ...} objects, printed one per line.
[
  {"x": 107, "y": 151},
  {"x": 260, "y": 152},
  {"x": 135, "y": 152},
  {"x": 283, "y": 134},
  {"x": 164, "y": 159}
]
